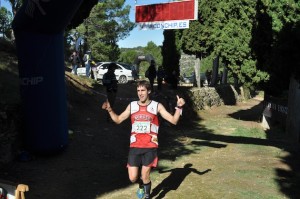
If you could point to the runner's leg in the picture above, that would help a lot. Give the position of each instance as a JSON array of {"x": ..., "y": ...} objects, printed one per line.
[
  {"x": 146, "y": 174},
  {"x": 146, "y": 180},
  {"x": 147, "y": 188},
  {"x": 133, "y": 173}
]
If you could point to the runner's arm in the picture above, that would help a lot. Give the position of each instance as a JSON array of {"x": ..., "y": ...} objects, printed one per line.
[
  {"x": 116, "y": 118},
  {"x": 167, "y": 116}
]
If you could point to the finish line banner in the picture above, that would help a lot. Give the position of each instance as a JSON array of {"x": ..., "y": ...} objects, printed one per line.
[{"x": 157, "y": 25}]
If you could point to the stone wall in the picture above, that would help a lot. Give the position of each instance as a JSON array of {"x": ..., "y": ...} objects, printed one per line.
[
  {"x": 207, "y": 97},
  {"x": 187, "y": 63}
]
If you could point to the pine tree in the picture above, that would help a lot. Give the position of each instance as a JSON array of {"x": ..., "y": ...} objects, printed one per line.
[{"x": 107, "y": 23}]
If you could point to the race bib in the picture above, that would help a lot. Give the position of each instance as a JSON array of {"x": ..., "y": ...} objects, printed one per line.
[{"x": 141, "y": 127}]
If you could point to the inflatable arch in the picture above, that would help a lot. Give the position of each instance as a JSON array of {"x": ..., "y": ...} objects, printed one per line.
[
  {"x": 39, "y": 31},
  {"x": 148, "y": 58}
]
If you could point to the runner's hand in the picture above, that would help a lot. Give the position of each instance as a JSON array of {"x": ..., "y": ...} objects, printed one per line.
[
  {"x": 106, "y": 105},
  {"x": 180, "y": 101}
]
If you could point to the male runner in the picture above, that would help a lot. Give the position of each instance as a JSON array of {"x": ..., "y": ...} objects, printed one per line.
[{"x": 143, "y": 140}]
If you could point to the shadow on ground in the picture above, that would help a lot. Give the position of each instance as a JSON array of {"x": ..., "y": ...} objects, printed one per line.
[
  {"x": 94, "y": 163},
  {"x": 288, "y": 180},
  {"x": 173, "y": 181}
]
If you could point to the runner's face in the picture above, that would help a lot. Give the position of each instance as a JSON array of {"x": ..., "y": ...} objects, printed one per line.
[{"x": 142, "y": 93}]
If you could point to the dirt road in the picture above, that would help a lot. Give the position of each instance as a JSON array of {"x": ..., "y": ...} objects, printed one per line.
[{"x": 201, "y": 157}]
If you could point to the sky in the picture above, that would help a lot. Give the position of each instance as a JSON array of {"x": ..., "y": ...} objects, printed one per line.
[
  {"x": 137, "y": 37},
  {"x": 5, "y": 3},
  {"x": 141, "y": 37}
]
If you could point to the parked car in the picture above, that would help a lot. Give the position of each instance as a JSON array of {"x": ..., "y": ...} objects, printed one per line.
[
  {"x": 81, "y": 71},
  {"x": 123, "y": 74},
  {"x": 191, "y": 79},
  {"x": 132, "y": 68}
]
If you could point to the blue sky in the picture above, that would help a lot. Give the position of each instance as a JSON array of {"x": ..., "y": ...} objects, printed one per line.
[
  {"x": 5, "y": 3},
  {"x": 141, "y": 37},
  {"x": 136, "y": 37}
]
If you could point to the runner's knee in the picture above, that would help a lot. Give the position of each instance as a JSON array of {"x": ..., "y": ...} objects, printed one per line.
[
  {"x": 133, "y": 179},
  {"x": 145, "y": 178}
]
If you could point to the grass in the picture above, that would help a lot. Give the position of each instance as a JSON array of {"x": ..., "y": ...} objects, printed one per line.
[
  {"x": 230, "y": 157},
  {"x": 250, "y": 132}
]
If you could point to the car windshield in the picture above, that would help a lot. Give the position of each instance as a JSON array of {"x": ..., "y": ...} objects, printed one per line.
[{"x": 128, "y": 67}]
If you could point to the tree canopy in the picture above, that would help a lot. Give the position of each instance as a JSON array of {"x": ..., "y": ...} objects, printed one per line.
[
  {"x": 224, "y": 29},
  {"x": 5, "y": 21},
  {"x": 15, "y": 5},
  {"x": 276, "y": 41},
  {"x": 255, "y": 40},
  {"x": 108, "y": 22}
]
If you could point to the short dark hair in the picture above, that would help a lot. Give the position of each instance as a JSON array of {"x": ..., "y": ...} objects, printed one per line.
[{"x": 144, "y": 83}]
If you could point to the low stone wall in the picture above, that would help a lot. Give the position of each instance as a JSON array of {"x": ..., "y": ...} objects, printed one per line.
[{"x": 207, "y": 97}]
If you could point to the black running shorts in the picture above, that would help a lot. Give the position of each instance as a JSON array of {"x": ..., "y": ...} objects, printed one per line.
[{"x": 142, "y": 157}]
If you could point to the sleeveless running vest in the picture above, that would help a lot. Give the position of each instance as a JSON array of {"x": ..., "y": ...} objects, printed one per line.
[{"x": 145, "y": 125}]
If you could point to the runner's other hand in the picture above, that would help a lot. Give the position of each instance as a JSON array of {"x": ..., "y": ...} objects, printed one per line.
[
  {"x": 180, "y": 101},
  {"x": 105, "y": 105}
]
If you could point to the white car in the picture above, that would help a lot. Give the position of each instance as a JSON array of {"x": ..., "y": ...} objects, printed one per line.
[
  {"x": 123, "y": 74},
  {"x": 81, "y": 71},
  {"x": 191, "y": 79}
]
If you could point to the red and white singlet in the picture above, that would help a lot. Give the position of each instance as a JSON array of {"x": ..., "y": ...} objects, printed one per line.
[{"x": 145, "y": 125}]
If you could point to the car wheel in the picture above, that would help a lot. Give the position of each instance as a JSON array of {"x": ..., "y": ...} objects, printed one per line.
[{"x": 123, "y": 80}]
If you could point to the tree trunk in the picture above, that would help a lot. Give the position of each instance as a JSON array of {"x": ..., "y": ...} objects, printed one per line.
[
  {"x": 224, "y": 76},
  {"x": 214, "y": 79},
  {"x": 236, "y": 80},
  {"x": 197, "y": 71},
  {"x": 293, "y": 118}
]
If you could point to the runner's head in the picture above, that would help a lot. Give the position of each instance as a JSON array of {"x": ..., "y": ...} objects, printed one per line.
[
  {"x": 143, "y": 90},
  {"x": 144, "y": 83}
]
